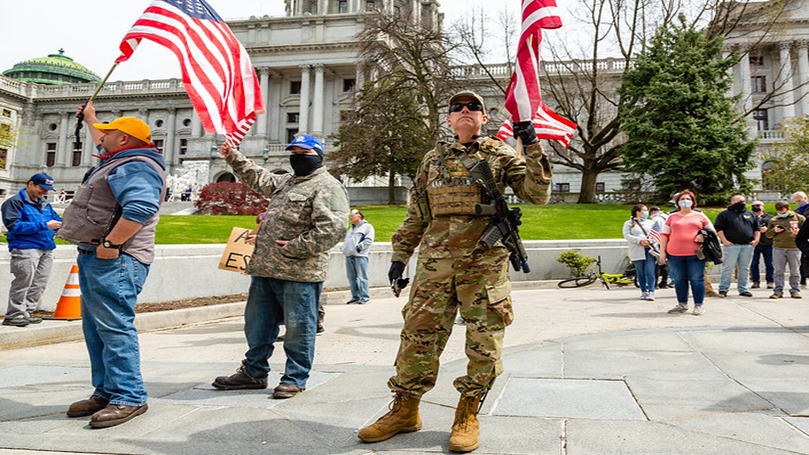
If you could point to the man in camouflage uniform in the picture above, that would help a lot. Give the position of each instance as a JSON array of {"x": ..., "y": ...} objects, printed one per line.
[
  {"x": 454, "y": 273},
  {"x": 306, "y": 217}
]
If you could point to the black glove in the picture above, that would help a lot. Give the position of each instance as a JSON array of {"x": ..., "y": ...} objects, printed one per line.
[
  {"x": 526, "y": 132},
  {"x": 396, "y": 270},
  {"x": 359, "y": 249}
]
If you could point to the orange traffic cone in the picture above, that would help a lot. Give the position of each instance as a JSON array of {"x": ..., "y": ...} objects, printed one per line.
[{"x": 69, "y": 305}]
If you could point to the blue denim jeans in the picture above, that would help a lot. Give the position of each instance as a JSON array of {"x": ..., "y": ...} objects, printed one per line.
[
  {"x": 645, "y": 270},
  {"x": 109, "y": 291},
  {"x": 357, "y": 271},
  {"x": 735, "y": 256},
  {"x": 685, "y": 270},
  {"x": 270, "y": 303},
  {"x": 759, "y": 252}
]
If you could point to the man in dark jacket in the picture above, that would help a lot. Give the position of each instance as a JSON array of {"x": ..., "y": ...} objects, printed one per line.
[
  {"x": 762, "y": 250},
  {"x": 30, "y": 221},
  {"x": 739, "y": 231}
]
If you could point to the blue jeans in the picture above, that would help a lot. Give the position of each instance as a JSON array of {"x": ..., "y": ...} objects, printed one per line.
[
  {"x": 357, "y": 271},
  {"x": 685, "y": 270},
  {"x": 272, "y": 302},
  {"x": 645, "y": 271},
  {"x": 735, "y": 256},
  {"x": 109, "y": 291},
  {"x": 762, "y": 251}
]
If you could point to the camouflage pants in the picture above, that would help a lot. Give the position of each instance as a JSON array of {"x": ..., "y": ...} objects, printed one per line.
[{"x": 478, "y": 287}]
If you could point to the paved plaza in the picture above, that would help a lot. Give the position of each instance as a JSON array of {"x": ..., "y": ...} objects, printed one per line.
[{"x": 587, "y": 372}]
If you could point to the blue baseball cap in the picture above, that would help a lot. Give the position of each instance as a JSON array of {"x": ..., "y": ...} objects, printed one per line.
[
  {"x": 307, "y": 142},
  {"x": 43, "y": 180}
]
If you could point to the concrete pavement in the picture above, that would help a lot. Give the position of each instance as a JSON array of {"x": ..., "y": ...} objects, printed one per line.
[{"x": 587, "y": 371}]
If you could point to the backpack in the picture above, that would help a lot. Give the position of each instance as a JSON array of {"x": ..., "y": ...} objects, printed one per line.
[{"x": 711, "y": 248}]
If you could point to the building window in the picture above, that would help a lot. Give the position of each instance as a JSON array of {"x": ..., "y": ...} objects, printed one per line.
[
  {"x": 348, "y": 84},
  {"x": 342, "y": 7},
  {"x": 52, "y": 127},
  {"x": 293, "y": 117},
  {"x": 77, "y": 147},
  {"x": 601, "y": 187},
  {"x": 562, "y": 187},
  {"x": 294, "y": 87},
  {"x": 6, "y": 113},
  {"x": 756, "y": 60},
  {"x": 158, "y": 143},
  {"x": 187, "y": 122},
  {"x": 50, "y": 159},
  {"x": 3, "y": 158},
  {"x": 183, "y": 146},
  {"x": 291, "y": 133},
  {"x": 158, "y": 123},
  {"x": 369, "y": 6},
  {"x": 762, "y": 122},
  {"x": 759, "y": 84},
  {"x": 767, "y": 178}
]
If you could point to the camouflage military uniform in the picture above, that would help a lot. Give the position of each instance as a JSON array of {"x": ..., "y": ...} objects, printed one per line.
[
  {"x": 453, "y": 272},
  {"x": 311, "y": 213}
]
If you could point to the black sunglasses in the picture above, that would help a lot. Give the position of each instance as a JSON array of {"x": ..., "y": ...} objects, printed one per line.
[{"x": 472, "y": 106}]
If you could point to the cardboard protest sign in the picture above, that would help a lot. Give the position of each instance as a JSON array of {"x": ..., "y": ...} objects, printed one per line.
[{"x": 237, "y": 252}]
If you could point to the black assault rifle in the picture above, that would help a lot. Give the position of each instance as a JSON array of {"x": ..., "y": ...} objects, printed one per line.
[{"x": 504, "y": 221}]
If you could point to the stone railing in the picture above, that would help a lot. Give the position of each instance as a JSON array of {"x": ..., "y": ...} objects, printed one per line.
[
  {"x": 113, "y": 88},
  {"x": 610, "y": 65},
  {"x": 770, "y": 135}
]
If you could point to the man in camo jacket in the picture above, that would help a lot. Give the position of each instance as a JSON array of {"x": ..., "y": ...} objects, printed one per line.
[
  {"x": 454, "y": 273},
  {"x": 306, "y": 217}
]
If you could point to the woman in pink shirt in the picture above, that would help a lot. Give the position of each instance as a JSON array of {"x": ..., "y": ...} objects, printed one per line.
[{"x": 678, "y": 244}]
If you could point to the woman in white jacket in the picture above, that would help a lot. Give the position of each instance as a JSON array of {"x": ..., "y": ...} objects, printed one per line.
[{"x": 636, "y": 231}]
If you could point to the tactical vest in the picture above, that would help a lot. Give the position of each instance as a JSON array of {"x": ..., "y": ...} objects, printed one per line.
[
  {"x": 453, "y": 192},
  {"x": 94, "y": 211}
]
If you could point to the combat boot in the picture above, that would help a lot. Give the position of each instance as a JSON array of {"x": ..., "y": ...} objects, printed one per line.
[
  {"x": 402, "y": 418},
  {"x": 464, "y": 437}
]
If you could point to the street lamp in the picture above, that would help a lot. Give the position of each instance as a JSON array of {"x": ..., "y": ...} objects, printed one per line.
[
  {"x": 214, "y": 154},
  {"x": 266, "y": 154}
]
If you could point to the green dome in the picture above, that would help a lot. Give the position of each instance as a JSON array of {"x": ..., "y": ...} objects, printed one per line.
[{"x": 52, "y": 70}]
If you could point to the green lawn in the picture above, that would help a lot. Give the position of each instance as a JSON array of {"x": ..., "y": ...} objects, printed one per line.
[{"x": 549, "y": 222}]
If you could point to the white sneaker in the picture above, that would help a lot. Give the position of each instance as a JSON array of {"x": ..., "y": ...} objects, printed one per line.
[
  {"x": 650, "y": 296},
  {"x": 644, "y": 295},
  {"x": 698, "y": 311}
]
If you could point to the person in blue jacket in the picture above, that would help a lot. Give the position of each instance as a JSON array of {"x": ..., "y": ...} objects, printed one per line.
[{"x": 30, "y": 221}]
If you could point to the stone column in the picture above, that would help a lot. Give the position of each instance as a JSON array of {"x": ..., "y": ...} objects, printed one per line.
[
  {"x": 317, "y": 107},
  {"x": 36, "y": 137},
  {"x": 169, "y": 147},
  {"x": 276, "y": 86},
  {"x": 360, "y": 75},
  {"x": 65, "y": 144},
  {"x": 303, "y": 124},
  {"x": 322, "y": 7},
  {"x": 89, "y": 149},
  {"x": 264, "y": 82},
  {"x": 196, "y": 125},
  {"x": 744, "y": 75},
  {"x": 787, "y": 86},
  {"x": 803, "y": 73}
]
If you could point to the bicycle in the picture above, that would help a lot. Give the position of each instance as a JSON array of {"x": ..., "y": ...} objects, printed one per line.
[{"x": 606, "y": 279}]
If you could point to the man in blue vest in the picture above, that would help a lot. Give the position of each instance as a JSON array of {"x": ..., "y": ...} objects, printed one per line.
[{"x": 30, "y": 221}]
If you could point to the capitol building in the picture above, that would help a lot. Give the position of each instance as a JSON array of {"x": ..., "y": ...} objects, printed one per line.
[{"x": 308, "y": 66}]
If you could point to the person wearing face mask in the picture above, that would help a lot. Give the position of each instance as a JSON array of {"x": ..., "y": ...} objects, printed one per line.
[
  {"x": 783, "y": 230},
  {"x": 763, "y": 250},
  {"x": 678, "y": 243},
  {"x": 636, "y": 232},
  {"x": 307, "y": 215},
  {"x": 801, "y": 200},
  {"x": 739, "y": 231}
]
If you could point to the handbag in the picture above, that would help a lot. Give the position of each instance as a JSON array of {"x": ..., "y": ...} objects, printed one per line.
[{"x": 654, "y": 246}]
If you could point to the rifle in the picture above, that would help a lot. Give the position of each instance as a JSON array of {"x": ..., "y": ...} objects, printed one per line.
[{"x": 504, "y": 221}]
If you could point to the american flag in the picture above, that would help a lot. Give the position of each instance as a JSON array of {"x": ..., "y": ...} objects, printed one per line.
[
  {"x": 654, "y": 233},
  {"x": 217, "y": 72},
  {"x": 548, "y": 125},
  {"x": 523, "y": 99}
]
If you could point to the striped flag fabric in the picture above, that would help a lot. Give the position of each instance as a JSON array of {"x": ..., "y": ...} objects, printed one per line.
[
  {"x": 217, "y": 73},
  {"x": 523, "y": 96},
  {"x": 548, "y": 125}
]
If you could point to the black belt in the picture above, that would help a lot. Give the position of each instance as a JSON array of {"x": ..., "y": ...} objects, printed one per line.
[{"x": 86, "y": 251}]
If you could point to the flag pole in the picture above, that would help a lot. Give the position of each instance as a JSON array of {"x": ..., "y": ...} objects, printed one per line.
[{"x": 80, "y": 115}]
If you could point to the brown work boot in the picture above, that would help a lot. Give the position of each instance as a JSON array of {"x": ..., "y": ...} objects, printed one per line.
[
  {"x": 116, "y": 414},
  {"x": 87, "y": 407},
  {"x": 464, "y": 437},
  {"x": 239, "y": 380},
  {"x": 402, "y": 418}
]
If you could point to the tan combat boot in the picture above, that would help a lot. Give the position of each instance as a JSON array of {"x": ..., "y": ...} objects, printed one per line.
[
  {"x": 464, "y": 437},
  {"x": 402, "y": 418}
]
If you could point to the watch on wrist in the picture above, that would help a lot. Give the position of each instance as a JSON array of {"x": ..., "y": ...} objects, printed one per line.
[{"x": 107, "y": 244}]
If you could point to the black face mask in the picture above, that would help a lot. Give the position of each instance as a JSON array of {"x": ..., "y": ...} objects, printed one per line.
[
  {"x": 738, "y": 207},
  {"x": 305, "y": 164},
  {"x": 756, "y": 208}
]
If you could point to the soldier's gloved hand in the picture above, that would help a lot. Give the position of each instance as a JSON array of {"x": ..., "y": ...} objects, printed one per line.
[
  {"x": 526, "y": 132},
  {"x": 396, "y": 270}
]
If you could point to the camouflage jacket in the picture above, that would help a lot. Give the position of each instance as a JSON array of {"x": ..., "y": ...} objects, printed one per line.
[
  {"x": 310, "y": 212},
  {"x": 443, "y": 235}
]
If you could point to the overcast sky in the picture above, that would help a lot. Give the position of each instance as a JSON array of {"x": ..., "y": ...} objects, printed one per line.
[{"x": 90, "y": 30}]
